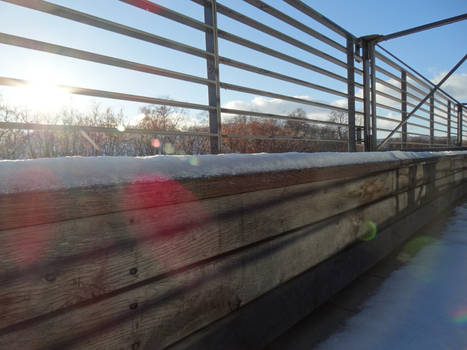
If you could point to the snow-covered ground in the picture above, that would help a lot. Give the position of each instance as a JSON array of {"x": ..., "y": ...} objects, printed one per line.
[
  {"x": 72, "y": 172},
  {"x": 420, "y": 306}
]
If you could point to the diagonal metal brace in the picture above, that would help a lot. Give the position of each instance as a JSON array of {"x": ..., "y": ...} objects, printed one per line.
[{"x": 431, "y": 93}]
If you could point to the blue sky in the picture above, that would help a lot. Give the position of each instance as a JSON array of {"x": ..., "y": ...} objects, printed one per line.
[{"x": 432, "y": 52}]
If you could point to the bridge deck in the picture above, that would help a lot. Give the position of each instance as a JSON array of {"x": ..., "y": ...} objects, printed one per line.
[{"x": 414, "y": 299}]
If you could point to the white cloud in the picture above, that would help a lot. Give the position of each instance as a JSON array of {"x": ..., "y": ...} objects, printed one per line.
[
  {"x": 456, "y": 85},
  {"x": 277, "y": 106}
]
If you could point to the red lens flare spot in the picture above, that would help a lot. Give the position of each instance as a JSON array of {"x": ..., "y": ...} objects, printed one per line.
[
  {"x": 170, "y": 221},
  {"x": 31, "y": 212}
]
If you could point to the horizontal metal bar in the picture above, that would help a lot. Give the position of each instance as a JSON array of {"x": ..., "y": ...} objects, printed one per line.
[
  {"x": 416, "y": 133},
  {"x": 444, "y": 131},
  {"x": 393, "y": 141},
  {"x": 293, "y": 22},
  {"x": 388, "y": 85},
  {"x": 278, "y": 138},
  {"x": 81, "y": 17},
  {"x": 226, "y": 11},
  {"x": 439, "y": 123},
  {"x": 14, "y": 40},
  {"x": 387, "y": 73},
  {"x": 418, "y": 90},
  {"x": 359, "y": 85},
  {"x": 108, "y": 94},
  {"x": 388, "y": 130},
  {"x": 422, "y": 27},
  {"x": 262, "y": 71},
  {"x": 388, "y": 119},
  {"x": 441, "y": 145},
  {"x": 398, "y": 100},
  {"x": 388, "y": 96},
  {"x": 418, "y": 98},
  {"x": 428, "y": 83},
  {"x": 381, "y": 105},
  {"x": 458, "y": 64},
  {"x": 277, "y": 116},
  {"x": 415, "y": 88},
  {"x": 408, "y": 123},
  {"x": 279, "y": 96},
  {"x": 304, "y": 8},
  {"x": 420, "y": 117},
  {"x": 395, "y": 88},
  {"x": 418, "y": 125},
  {"x": 268, "y": 51},
  {"x": 107, "y": 130},
  {"x": 168, "y": 13},
  {"x": 441, "y": 103},
  {"x": 440, "y": 148}
]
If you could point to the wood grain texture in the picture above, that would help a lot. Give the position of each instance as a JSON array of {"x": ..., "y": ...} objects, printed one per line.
[
  {"x": 34, "y": 208},
  {"x": 188, "y": 264},
  {"x": 178, "y": 305},
  {"x": 258, "y": 323},
  {"x": 52, "y": 266}
]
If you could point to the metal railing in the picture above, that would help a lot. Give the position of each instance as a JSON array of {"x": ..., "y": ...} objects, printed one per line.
[{"x": 388, "y": 85}]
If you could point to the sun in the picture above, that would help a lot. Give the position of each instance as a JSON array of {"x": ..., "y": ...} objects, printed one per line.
[{"x": 41, "y": 94}]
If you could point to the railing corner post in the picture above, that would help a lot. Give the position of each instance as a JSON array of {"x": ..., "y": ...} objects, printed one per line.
[
  {"x": 432, "y": 120},
  {"x": 449, "y": 123},
  {"x": 351, "y": 94},
  {"x": 366, "y": 97},
  {"x": 404, "y": 107},
  {"x": 459, "y": 125},
  {"x": 210, "y": 18}
]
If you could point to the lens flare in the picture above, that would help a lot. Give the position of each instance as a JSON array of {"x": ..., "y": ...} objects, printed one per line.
[
  {"x": 169, "y": 222},
  {"x": 368, "y": 231},
  {"x": 194, "y": 161},
  {"x": 27, "y": 246},
  {"x": 460, "y": 317},
  {"x": 121, "y": 128},
  {"x": 156, "y": 143}
]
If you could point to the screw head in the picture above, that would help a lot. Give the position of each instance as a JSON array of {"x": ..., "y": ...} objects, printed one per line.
[{"x": 50, "y": 277}]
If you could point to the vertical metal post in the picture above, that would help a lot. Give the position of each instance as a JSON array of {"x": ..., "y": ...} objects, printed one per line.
[
  {"x": 366, "y": 96},
  {"x": 351, "y": 94},
  {"x": 449, "y": 123},
  {"x": 404, "y": 107},
  {"x": 373, "y": 95},
  {"x": 432, "y": 120},
  {"x": 459, "y": 124},
  {"x": 210, "y": 18}
]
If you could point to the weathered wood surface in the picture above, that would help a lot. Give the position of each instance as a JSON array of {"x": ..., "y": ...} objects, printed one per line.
[
  {"x": 176, "y": 306},
  {"x": 82, "y": 275},
  {"x": 58, "y": 265},
  {"x": 257, "y": 324},
  {"x": 353, "y": 220},
  {"x": 34, "y": 208}
]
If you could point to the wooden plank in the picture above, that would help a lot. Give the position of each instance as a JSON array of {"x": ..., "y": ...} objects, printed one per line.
[
  {"x": 258, "y": 323},
  {"x": 176, "y": 306},
  {"x": 52, "y": 266},
  {"x": 94, "y": 256},
  {"x": 359, "y": 194},
  {"x": 34, "y": 208}
]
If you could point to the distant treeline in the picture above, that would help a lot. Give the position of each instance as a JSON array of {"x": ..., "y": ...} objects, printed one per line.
[{"x": 290, "y": 135}]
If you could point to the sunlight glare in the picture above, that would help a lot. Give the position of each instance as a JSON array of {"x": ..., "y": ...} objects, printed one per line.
[{"x": 41, "y": 94}]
